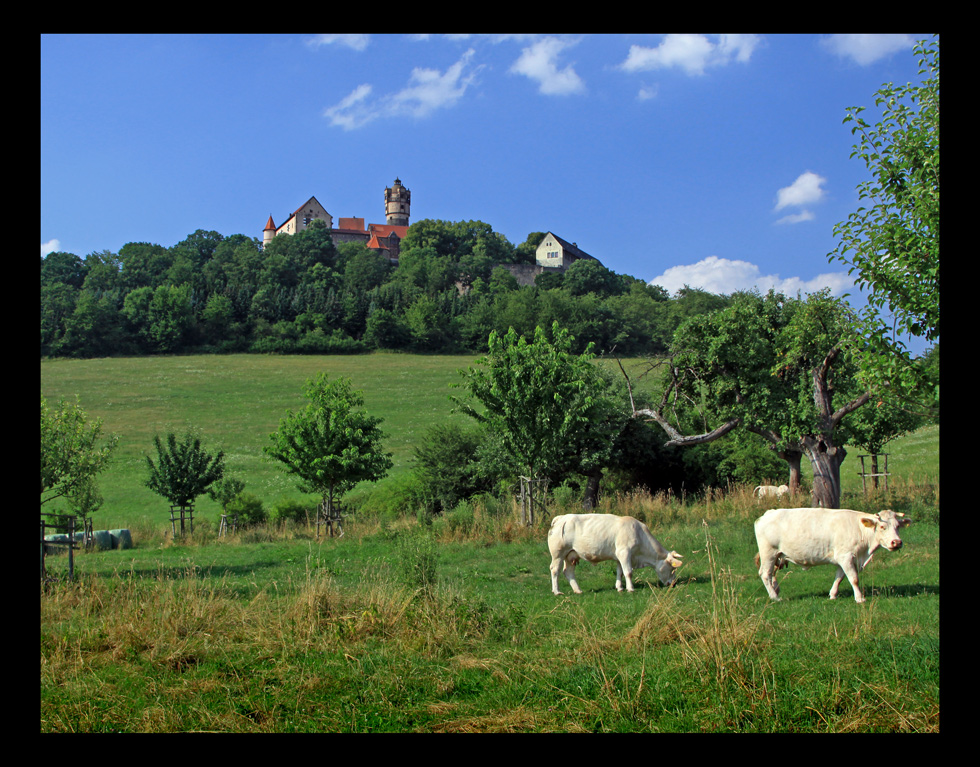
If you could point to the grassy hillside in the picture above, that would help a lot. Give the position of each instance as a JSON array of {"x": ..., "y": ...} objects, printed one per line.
[
  {"x": 236, "y": 401},
  {"x": 453, "y": 628}
]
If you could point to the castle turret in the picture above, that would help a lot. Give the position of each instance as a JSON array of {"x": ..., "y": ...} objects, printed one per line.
[
  {"x": 398, "y": 202},
  {"x": 269, "y": 232}
]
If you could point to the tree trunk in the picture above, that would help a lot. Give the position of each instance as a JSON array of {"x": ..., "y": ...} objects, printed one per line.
[
  {"x": 794, "y": 458},
  {"x": 826, "y": 459},
  {"x": 591, "y": 497}
]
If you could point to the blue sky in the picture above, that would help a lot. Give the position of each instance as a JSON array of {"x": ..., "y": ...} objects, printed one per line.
[{"x": 718, "y": 161}]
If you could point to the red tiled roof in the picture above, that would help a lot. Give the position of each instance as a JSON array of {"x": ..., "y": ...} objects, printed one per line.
[
  {"x": 351, "y": 224},
  {"x": 385, "y": 229}
]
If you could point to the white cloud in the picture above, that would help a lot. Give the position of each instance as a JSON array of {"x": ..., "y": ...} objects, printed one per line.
[
  {"x": 739, "y": 47},
  {"x": 867, "y": 49},
  {"x": 50, "y": 247},
  {"x": 427, "y": 91},
  {"x": 355, "y": 42},
  {"x": 540, "y": 62},
  {"x": 796, "y": 218},
  {"x": 692, "y": 53},
  {"x": 349, "y": 113},
  {"x": 725, "y": 276},
  {"x": 647, "y": 92},
  {"x": 805, "y": 190}
]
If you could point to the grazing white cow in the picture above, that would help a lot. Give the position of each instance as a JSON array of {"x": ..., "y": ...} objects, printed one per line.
[
  {"x": 763, "y": 490},
  {"x": 809, "y": 537},
  {"x": 599, "y": 537}
]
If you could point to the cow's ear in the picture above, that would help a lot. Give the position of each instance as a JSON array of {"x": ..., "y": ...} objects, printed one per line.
[
  {"x": 904, "y": 522},
  {"x": 868, "y": 522}
]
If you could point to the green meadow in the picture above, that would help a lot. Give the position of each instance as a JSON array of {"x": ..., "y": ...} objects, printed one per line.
[
  {"x": 399, "y": 627},
  {"x": 235, "y": 402}
]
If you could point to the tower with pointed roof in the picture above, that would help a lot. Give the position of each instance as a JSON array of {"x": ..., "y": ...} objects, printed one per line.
[
  {"x": 398, "y": 203},
  {"x": 269, "y": 232}
]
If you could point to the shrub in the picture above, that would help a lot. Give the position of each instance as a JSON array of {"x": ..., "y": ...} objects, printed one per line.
[
  {"x": 447, "y": 465},
  {"x": 249, "y": 509},
  {"x": 460, "y": 519},
  {"x": 292, "y": 510},
  {"x": 389, "y": 501}
]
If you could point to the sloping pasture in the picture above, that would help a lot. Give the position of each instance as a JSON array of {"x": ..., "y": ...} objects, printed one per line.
[{"x": 453, "y": 628}]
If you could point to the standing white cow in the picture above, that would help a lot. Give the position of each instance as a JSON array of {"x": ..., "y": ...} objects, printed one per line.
[
  {"x": 809, "y": 537},
  {"x": 763, "y": 490},
  {"x": 599, "y": 537}
]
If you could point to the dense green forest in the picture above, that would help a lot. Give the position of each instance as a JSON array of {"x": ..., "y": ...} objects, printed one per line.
[{"x": 304, "y": 294}]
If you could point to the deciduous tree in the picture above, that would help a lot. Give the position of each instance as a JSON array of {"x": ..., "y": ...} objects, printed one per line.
[
  {"x": 774, "y": 366},
  {"x": 184, "y": 469},
  {"x": 544, "y": 403},
  {"x": 73, "y": 452},
  {"x": 891, "y": 242},
  {"x": 332, "y": 444}
]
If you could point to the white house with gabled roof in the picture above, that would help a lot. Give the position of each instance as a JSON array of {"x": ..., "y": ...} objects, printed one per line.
[{"x": 556, "y": 253}]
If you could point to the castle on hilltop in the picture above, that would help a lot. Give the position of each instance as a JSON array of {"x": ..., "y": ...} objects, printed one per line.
[
  {"x": 386, "y": 237},
  {"x": 553, "y": 253}
]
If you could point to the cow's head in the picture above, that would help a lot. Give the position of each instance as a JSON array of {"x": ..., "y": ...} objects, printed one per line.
[
  {"x": 886, "y": 524},
  {"x": 666, "y": 568}
]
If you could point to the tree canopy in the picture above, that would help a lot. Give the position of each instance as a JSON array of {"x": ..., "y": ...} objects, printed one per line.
[
  {"x": 184, "y": 469},
  {"x": 891, "y": 242},
  {"x": 304, "y": 294},
  {"x": 775, "y": 367},
  {"x": 332, "y": 444},
  {"x": 543, "y": 402},
  {"x": 73, "y": 451}
]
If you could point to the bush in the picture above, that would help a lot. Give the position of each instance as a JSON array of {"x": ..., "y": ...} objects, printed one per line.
[
  {"x": 248, "y": 508},
  {"x": 292, "y": 510},
  {"x": 317, "y": 342},
  {"x": 447, "y": 465},
  {"x": 389, "y": 501},
  {"x": 460, "y": 519}
]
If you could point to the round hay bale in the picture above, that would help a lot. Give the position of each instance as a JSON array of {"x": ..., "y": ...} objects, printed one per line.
[
  {"x": 102, "y": 539},
  {"x": 121, "y": 539}
]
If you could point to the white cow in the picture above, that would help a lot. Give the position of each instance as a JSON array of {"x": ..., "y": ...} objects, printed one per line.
[
  {"x": 763, "y": 490},
  {"x": 809, "y": 537},
  {"x": 599, "y": 537}
]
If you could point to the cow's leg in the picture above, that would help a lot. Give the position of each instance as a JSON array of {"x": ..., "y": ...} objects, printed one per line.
[
  {"x": 571, "y": 559},
  {"x": 767, "y": 571},
  {"x": 837, "y": 581},
  {"x": 624, "y": 567},
  {"x": 562, "y": 558},
  {"x": 768, "y": 559},
  {"x": 849, "y": 568},
  {"x": 556, "y": 567}
]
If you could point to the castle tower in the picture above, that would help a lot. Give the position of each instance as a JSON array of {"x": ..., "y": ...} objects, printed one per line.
[
  {"x": 269, "y": 232},
  {"x": 398, "y": 201}
]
